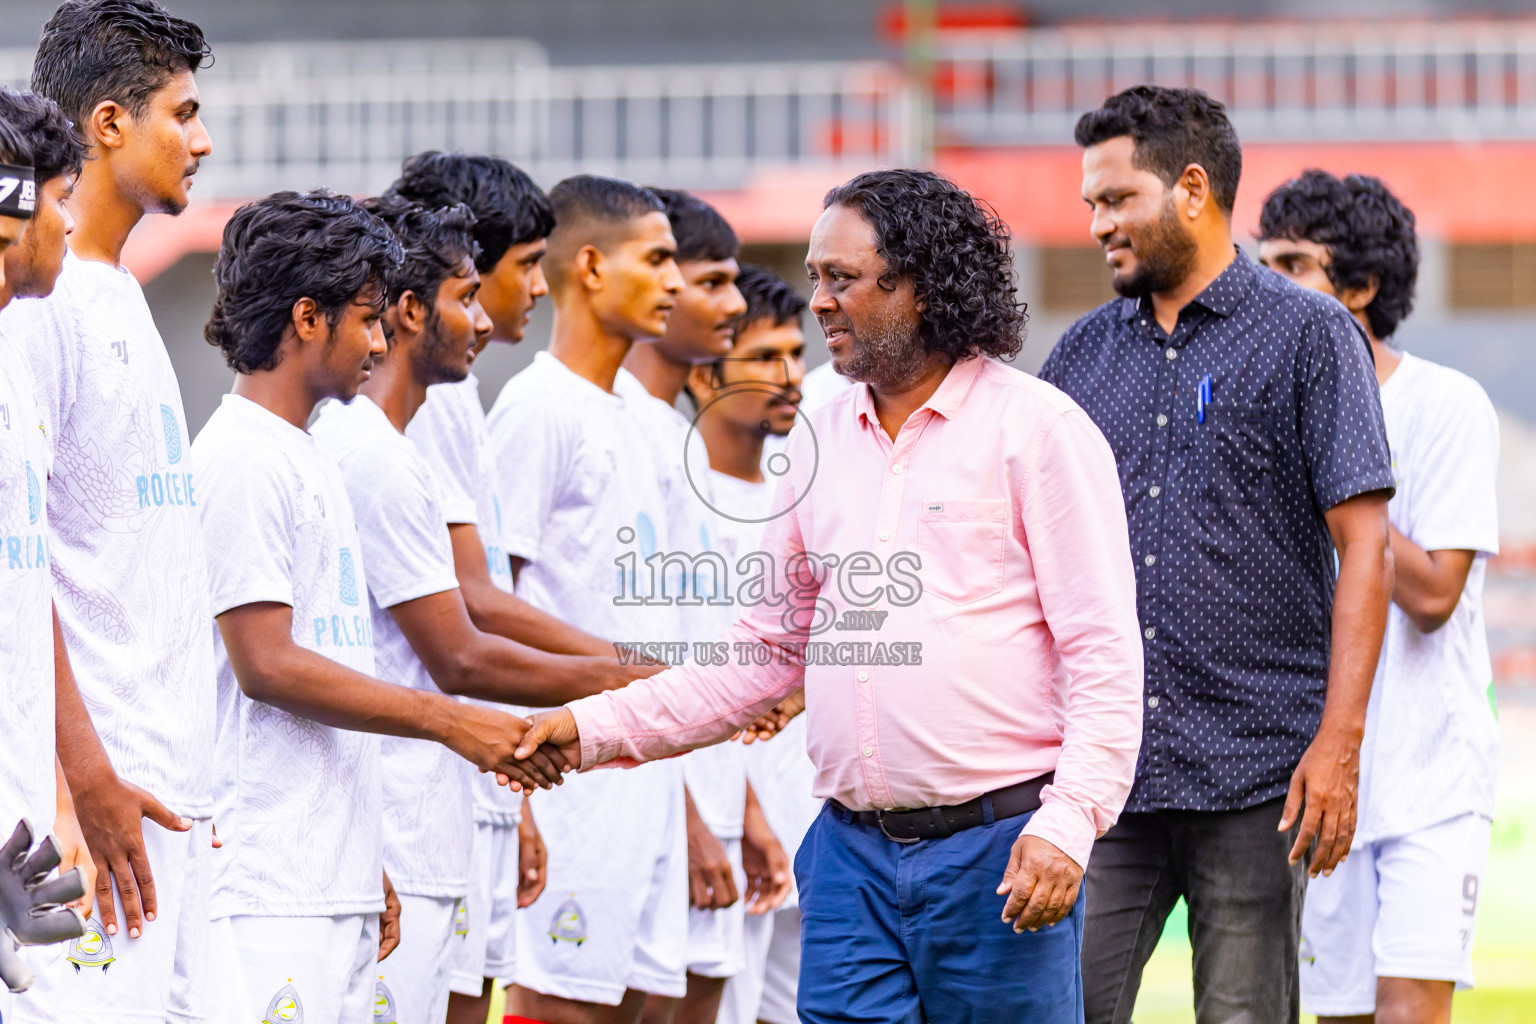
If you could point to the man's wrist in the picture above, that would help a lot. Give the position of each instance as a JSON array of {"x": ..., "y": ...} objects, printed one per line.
[
  {"x": 86, "y": 781},
  {"x": 1341, "y": 729},
  {"x": 439, "y": 717}
]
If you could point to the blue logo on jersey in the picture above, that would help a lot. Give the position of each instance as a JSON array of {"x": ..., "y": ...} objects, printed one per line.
[
  {"x": 172, "y": 435},
  {"x": 348, "y": 577},
  {"x": 647, "y": 531},
  {"x": 34, "y": 496},
  {"x": 496, "y": 504}
]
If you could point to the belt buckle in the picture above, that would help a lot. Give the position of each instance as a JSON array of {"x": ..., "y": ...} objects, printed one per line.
[{"x": 880, "y": 817}]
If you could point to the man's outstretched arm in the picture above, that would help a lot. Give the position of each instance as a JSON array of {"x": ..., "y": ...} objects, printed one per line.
[{"x": 695, "y": 705}]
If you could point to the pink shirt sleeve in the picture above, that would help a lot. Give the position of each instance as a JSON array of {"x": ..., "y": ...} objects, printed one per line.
[
  {"x": 695, "y": 705},
  {"x": 1074, "y": 523}
]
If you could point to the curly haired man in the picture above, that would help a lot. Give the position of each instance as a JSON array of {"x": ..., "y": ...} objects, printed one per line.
[
  {"x": 974, "y": 511},
  {"x": 1389, "y": 935}
]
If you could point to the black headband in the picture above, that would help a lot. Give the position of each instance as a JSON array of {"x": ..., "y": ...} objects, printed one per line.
[{"x": 18, "y": 192}]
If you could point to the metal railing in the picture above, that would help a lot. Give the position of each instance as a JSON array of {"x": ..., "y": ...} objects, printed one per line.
[
  {"x": 1456, "y": 80},
  {"x": 300, "y": 115},
  {"x": 296, "y": 115}
]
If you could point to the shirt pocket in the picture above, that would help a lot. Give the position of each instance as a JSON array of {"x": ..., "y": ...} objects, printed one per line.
[
  {"x": 1236, "y": 454},
  {"x": 961, "y": 543}
]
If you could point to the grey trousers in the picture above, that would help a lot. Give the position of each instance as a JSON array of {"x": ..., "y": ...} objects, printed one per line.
[{"x": 1244, "y": 912}]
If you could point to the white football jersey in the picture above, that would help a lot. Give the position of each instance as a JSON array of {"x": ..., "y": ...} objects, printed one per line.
[
  {"x": 1431, "y": 745},
  {"x": 581, "y": 501},
  {"x": 450, "y": 432},
  {"x": 428, "y": 826},
  {"x": 124, "y": 541},
  {"x": 298, "y": 803},
  {"x": 716, "y": 775},
  {"x": 26, "y": 621}
]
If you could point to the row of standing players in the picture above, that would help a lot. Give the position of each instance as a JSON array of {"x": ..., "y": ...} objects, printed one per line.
[{"x": 299, "y": 560}]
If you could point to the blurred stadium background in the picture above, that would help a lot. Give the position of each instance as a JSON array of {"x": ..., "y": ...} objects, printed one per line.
[{"x": 763, "y": 106}]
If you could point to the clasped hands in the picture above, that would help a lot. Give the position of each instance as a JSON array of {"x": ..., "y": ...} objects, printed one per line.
[
  {"x": 546, "y": 749},
  {"x": 550, "y": 746}
]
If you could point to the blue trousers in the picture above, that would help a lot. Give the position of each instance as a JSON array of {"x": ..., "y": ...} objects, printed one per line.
[{"x": 914, "y": 933}]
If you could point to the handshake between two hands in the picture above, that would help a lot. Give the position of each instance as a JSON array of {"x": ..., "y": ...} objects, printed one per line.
[{"x": 550, "y": 746}]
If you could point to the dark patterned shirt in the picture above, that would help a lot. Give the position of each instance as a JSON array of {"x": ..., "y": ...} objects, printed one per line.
[{"x": 1235, "y": 566}]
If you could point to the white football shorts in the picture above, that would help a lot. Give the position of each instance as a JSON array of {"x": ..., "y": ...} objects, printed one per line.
[
  {"x": 298, "y": 970},
  {"x": 488, "y": 946},
  {"x": 1398, "y": 908},
  {"x": 416, "y": 975},
  {"x": 162, "y": 975},
  {"x": 614, "y": 915}
]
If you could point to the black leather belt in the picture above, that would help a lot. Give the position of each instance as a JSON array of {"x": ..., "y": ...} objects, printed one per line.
[{"x": 909, "y": 826}]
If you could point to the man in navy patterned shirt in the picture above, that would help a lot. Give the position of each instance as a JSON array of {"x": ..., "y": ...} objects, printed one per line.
[{"x": 1248, "y": 433}]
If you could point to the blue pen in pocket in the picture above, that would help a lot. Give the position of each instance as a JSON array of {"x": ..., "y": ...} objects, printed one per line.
[{"x": 1202, "y": 398}]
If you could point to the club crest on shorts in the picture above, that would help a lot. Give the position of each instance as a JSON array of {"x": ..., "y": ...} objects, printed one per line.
[
  {"x": 568, "y": 924},
  {"x": 383, "y": 1004},
  {"x": 461, "y": 918},
  {"x": 172, "y": 435},
  {"x": 285, "y": 1007},
  {"x": 91, "y": 949},
  {"x": 348, "y": 577}
]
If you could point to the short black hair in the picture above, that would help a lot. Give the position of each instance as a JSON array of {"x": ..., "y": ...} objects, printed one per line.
[
  {"x": 769, "y": 297},
  {"x": 13, "y": 145},
  {"x": 590, "y": 210},
  {"x": 120, "y": 50},
  {"x": 1368, "y": 231},
  {"x": 290, "y": 246},
  {"x": 509, "y": 208},
  {"x": 1171, "y": 128},
  {"x": 56, "y": 149},
  {"x": 954, "y": 249},
  {"x": 592, "y": 197},
  {"x": 701, "y": 233},
  {"x": 437, "y": 241}
]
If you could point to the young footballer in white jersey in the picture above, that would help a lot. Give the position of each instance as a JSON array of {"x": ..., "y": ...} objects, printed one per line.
[
  {"x": 27, "y": 773},
  {"x": 423, "y": 635},
  {"x": 39, "y": 157},
  {"x": 124, "y": 543},
  {"x": 699, "y": 330},
  {"x": 512, "y": 221},
  {"x": 1389, "y": 932},
  {"x": 302, "y": 281},
  {"x": 744, "y": 399},
  {"x": 581, "y": 507},
  {"x": 33, "y": 226}
]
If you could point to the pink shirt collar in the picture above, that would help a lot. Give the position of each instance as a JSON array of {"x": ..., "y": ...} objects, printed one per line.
[{"x": 945, "y": 400}]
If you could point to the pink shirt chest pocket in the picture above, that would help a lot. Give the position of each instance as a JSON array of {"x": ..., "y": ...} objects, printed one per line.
[{"x": 961, "y": 542}]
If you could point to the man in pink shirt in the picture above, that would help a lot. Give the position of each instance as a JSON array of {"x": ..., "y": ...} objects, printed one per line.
[{"x": 947, "y": 573}]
